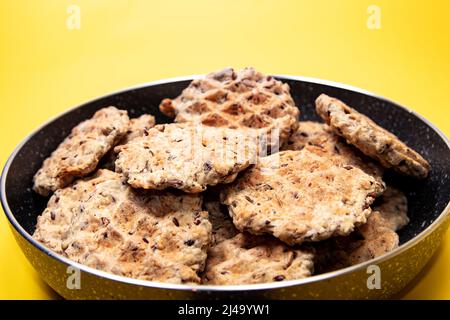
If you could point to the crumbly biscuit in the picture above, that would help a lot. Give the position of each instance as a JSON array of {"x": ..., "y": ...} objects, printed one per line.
[
  {"x": 370, "y": 241},
  {"x": 222, "y": 225},
  {"x": 103, "y": 223},
  {"x": 185, "y": 157},
  {"x": 379, "y": 239},
  {"x": 247, "y": 259},
  {"x": 370, "y": 138},
  {"x": 244, "y": 258},
  {"x": 246, "y": 99},
  {"x": 310, "y": 133},
  {"x": 137, "y": 128},
  {"x": 393, "y": 207},
  {"x": 79, "y": 154},
  {"x": 304, "y": 195}
]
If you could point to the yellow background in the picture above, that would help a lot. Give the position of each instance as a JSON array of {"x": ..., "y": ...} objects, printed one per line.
[{"x": 46, "y": 68}]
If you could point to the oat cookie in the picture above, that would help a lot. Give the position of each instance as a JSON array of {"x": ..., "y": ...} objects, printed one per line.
[
  {"x": 306, "y": 195},
  {"x": 393, "y": 207},
  {"x": 320, "y": 135},
  {"x": 79, "y": 154},
  {"x": 246, "y": 99},
  {"x": 246, "y": 259},
  {"x": 370, "y": 138},
  {"x": 222, "y": 225},
  {"x": 370, "y": 241},
  {"x": 105, "y": 224},
  {"x": 185, "y": 157},
  {"x": 137, "y": 128},
  {"x": 379, "y": 239}
]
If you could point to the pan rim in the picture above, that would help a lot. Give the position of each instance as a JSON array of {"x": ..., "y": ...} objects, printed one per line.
[{"x": 218, "y": 288}]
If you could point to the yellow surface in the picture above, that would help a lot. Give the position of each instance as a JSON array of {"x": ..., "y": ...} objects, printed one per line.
[{"x": 46, "y": 68}]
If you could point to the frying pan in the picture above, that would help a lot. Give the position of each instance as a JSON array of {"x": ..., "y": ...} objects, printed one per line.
[{"x": 428, "y": 204}]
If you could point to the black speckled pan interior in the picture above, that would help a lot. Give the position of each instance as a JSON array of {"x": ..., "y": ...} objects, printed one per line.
[{"x": 427, "y": 199}]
